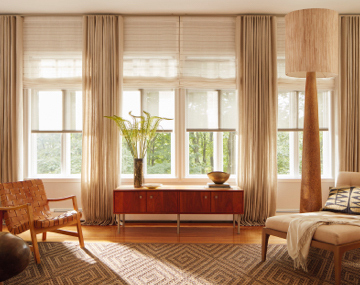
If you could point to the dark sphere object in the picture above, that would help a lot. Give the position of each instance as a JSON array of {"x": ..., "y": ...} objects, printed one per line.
[{"x": 14, "y": 255}]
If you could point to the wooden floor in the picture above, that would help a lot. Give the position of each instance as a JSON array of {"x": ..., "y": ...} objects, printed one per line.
[{"x": 165, "y": 233}]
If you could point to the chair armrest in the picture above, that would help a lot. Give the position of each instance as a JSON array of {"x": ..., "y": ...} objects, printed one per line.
[
  {"x": 73, "y": 197},
  {"x": 60, "y": 199}
]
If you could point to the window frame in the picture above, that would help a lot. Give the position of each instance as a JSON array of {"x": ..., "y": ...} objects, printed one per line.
[
  {"x": 294, "y": 140},
  {"x": 179, "y": 131},
  {"x": 30, "y": 151}
]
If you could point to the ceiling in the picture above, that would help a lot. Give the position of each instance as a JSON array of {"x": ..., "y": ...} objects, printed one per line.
[{"x": 173, "y": 6}]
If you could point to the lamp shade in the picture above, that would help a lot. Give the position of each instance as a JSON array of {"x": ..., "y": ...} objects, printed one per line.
[{"x": 311, "y": 43}]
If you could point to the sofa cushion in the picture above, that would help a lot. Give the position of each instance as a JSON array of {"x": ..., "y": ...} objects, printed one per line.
[
  {"x": 333, "y": 234},
  {"x": 343, "y": 200}
]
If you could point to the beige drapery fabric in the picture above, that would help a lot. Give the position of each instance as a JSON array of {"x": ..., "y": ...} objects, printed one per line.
[
  {"x": 257, "y": 87},
  {"x": 11, "y": 101},
  {"x": 349, "y": 95},
  {"x": 102, "y": 83}
]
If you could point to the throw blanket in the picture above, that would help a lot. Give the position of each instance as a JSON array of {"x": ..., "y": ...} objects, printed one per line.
[{"x": 301, "y": 231}]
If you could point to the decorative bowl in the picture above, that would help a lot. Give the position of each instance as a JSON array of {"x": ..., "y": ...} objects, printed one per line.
[
  {"x": 218, "y": 177},
  {"x": 152, "y": 186}
]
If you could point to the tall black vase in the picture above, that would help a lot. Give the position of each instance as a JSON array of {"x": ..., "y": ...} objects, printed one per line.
[{"x": 138, "y": 172}]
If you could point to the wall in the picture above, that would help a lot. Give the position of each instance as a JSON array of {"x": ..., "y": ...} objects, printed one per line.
[{"x": 288, "y": 198}]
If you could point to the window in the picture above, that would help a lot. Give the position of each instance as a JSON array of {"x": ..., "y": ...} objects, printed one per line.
[
  {"x": 186, "y": 71},
  {"x": 52, "y": 96},
  {"x": 291, "y": 100},
  {"x": 56, "y": 139},
  {"x": 211, "y": 118},
  {"x": 290, "y": 132},
  {"x": 160, "y": 157}
]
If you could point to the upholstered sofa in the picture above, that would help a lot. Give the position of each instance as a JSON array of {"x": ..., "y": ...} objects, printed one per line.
[{"x": 336, "y": 238}]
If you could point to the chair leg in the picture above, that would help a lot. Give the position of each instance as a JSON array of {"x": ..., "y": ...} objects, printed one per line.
[
  {"x": 337, "y": 264},
  {"x": 264, "y": 244},
  {"x": 35, "y": 246},
  {"x": 79, "y": 230},
  {"x": 44, "y": 236}
]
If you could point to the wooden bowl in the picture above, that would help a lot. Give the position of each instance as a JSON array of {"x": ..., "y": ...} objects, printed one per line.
[{"x": 218, "y": 177}]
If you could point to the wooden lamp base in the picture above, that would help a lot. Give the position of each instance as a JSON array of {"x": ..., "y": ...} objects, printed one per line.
[{"x": 310, "y": 197}]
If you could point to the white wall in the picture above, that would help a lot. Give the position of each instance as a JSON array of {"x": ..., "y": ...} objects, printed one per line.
[{"x": 288, "y": 198}]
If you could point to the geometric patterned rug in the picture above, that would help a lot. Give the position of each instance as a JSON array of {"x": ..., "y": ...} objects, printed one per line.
[{"x": 129, "y": 263}]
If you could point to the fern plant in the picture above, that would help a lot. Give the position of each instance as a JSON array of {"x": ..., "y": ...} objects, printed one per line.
[{"x": 139, "y": 133}]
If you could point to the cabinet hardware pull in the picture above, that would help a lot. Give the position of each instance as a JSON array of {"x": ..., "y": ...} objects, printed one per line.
[
  {"x": 140, "y": 197},
  {"x": 205, "y": 197},
  {"x": 216, "y": 197},
  {"x": 151, "y": 197}
]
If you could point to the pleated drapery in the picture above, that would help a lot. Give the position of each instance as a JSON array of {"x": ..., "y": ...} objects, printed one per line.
[
  {"x": 349, "y": 95},
  {"x": 11, "y": 101},
  {"x": 257, "y": 87},
  {"x": 102, "y": 83}
]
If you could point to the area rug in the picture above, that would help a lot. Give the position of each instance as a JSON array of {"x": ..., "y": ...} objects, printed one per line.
[{"x": 115, "y": 263}]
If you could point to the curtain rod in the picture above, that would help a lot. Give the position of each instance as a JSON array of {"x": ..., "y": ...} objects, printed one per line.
[{"x": 130, "y": 14}]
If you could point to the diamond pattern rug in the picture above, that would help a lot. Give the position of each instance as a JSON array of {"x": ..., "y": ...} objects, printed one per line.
[{"x": 115, "y": 263}]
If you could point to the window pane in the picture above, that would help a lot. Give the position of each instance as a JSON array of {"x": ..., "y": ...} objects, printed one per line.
[
  {"x": 131, "y": 102},
  {"x": 301, "y": 109},
  {"x": 229, "y": 152},
  {"x": 283, "y": 152},
  {"x": 159, "y": 155},
  {"x": 76, "y": 152},
  {"x": 287, "y": 110},
  {"x": 201, "y": 152},
  {"x": 202, "y": 109},
  {"x": 228, "y": 110},
  {"x": 48, "y": 156},
  {"x": 161, "y": 103},
  {"x": 47, "y": 111},
  {"x": 127, "y": 160},
  {"x": 73, "y": 110},
  {"x": 323, "y": 101}
]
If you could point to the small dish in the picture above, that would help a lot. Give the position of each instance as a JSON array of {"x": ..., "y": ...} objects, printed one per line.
[{"x": 152, "y": 186}]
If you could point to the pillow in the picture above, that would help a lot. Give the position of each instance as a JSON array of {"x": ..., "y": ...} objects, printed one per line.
[{"x": 343, "y": 200}]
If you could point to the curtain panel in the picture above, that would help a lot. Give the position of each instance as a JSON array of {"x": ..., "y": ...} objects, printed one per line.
[
  {"x": 257, "y": 87},
  {"x": 102, "y": 83},
  {"x": 349, "y": 95},
  {"x": 11, "y": 101}
]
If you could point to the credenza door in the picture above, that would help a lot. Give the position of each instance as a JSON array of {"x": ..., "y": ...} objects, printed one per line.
[
  {"x": 192, "y": 202},
  {"x": 130, "y": 202},
  {"x": 162, "y": 202}
]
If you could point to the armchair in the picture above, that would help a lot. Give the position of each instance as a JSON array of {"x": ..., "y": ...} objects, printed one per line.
[{"x": 26, "y": 207}]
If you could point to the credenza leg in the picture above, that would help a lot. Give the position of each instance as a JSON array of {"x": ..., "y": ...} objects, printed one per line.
[
  {"x": 123, "y": 221},
  {"x": 238, "y": 221},
  {"x": 233, "y": 220},
  {"x": 178, "y": 223},
  {"x": 118, "y": 219}
]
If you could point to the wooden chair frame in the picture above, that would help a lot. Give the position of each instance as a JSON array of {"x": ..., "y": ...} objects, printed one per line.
[
  {"x": 34, "y": 231},
  {"x": 338, "y": 250}
]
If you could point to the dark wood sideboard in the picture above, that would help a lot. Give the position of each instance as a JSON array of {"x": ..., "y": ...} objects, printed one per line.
[{"x": 178, "y": 200}]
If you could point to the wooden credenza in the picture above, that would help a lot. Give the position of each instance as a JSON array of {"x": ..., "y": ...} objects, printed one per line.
[{"x": 178, "y": 200}]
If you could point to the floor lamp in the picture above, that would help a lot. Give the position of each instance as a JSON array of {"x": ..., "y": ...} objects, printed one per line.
[{"x": 311, "y": 51}]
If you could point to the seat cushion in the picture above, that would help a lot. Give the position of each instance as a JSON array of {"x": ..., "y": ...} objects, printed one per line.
[
  {"x": 333, "y": 234},
  {"x": 56, "y": 220}
]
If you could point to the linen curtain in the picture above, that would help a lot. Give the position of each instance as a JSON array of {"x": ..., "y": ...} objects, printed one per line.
[
  {"x": 257, "y": 87},
  {"x": 102, "y": 83},
  {"x": 11, "y": 104},
  {"x": 349, "y": 97}
]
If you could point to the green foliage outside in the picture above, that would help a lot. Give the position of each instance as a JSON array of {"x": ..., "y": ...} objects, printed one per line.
[
  {"x": 48, "y": 153},
  {"x": 158, "y": 156},
  {"x": 229, "y": 151},
  {"x": 201, "y": 152},
  {"x": 76, "y": 152},
  {"x": 283, "y": 153}
]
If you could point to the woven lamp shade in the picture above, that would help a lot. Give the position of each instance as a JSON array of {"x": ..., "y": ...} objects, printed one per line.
[{"x": 311, "y": 43}]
